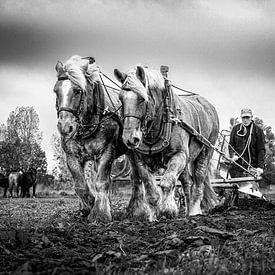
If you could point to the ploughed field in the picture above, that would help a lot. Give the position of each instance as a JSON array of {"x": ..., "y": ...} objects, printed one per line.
[{"x": 46, "y": 236}]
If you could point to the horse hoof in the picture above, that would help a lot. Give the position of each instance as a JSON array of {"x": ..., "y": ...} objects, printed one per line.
[
  {"x": 99, "y": 218},
  {"x": 169, "y": 214},
  {"x": 84, "y": 213}
]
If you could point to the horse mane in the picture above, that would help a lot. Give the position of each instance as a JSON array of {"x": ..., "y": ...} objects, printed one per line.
[
  {"x": 79, "y": 71},
  {"x": 153, "y": 81},
  {"x": 83, "y": 74}
]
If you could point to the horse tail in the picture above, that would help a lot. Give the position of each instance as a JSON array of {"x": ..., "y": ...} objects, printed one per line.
[{"x": 210, "y": 198}]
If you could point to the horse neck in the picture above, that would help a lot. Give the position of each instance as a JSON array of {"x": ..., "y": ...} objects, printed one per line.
[
  {"x": 156, "y": 106},
  {"x": 99, "y": 101}
]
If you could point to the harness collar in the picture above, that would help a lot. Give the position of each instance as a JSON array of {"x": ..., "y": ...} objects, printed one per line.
[{"x": 157, "y": 145}]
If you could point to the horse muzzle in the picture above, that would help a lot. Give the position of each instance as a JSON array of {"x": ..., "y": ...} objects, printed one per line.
[
  {"x": 67, "y": 126},
  {"x": 132, "y": 139}
]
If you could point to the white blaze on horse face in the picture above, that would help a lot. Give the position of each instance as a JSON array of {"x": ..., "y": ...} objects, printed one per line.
[
  {"x": 66, "y": 88},
  {"x": 67, "y": 123},
  {"x": 132, "y": 134}
]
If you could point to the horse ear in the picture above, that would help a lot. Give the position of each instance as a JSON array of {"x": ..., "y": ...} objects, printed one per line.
[
  {"x": 59, "y": 67},
  {"x": 85, "y": 67},
  {"x": 120, "y": 76},
  {"x": 140, "y": 73},
  {"x": 91, "y": 59}
]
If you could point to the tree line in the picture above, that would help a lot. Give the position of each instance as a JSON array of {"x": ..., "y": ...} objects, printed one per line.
[
  {"x": 20, "y": 146},
  {"x": 20, "y": 142}
]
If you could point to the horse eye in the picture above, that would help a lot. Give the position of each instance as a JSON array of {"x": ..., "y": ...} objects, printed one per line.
[
  {"x": 141, "y": 99},
  {"x": 77, "y": 91}
]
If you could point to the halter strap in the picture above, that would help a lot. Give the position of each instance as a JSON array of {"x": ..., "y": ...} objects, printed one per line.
[
  {"x": 62, "y": 77},
  {"x": 142, "y": 118},
  {"x": 75, "y": 112},
  {"x": 67, "y": 109},
  {"x": 133, "y": 115}
]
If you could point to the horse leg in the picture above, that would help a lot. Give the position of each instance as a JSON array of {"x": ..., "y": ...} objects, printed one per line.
[
  {"x": 28, "y": 195},
  {"x": 5, "y": 192},
  {"x": 168, "y": 182},
  {"x": 10, "y": 188},
  {"x": 186, "y": 182},
  {"x": 144, "y": 202},
  {"x": 102, "y": 208},
  {"x": 201, "y": 189},
  {"x": 17, "y": 190},
  {"x": 81, "y": 188},
  {"x": 33, "y": 190}
]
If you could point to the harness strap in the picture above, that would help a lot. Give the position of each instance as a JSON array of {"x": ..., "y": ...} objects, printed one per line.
[
  {"x": 193, "y": 132},
  {"x": 153, "y": 146},
  {"x": 131, "y": 115},
  {"x": 62, "y": 77}
]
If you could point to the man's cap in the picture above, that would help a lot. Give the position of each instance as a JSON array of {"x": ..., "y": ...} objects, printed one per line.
[{"x": 246, "y": 112}]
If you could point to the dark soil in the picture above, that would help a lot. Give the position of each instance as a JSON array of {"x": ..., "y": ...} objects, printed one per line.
[{"x": 46, "y": 236}]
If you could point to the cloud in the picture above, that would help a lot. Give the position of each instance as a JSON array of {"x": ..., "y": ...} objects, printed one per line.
[{"x": 230, "y": 35}]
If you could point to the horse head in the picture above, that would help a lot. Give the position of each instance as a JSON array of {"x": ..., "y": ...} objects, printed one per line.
[
  {"x": 135, "y": 102},
  {"x": 74, "y": 81}
]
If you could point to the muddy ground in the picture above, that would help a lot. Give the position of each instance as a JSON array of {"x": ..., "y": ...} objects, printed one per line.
[{"x": 46, "y": 236}]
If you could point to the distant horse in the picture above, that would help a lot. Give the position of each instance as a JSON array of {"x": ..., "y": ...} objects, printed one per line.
[
  {"x": 153, "y": 118},
  {"x": 15, "y": 181},
  {"x": 91, "y": 129},
  {"x": 28, "y": 180},
  {"x": 4, "y": 183}
]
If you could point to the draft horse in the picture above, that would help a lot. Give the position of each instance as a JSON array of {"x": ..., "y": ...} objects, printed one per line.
[
  {"x": 4, "y": 183},
  {"x": 153, "y": 117},
  {"x": 91, "y": 130},
  {"x": 15, "y": 182}
]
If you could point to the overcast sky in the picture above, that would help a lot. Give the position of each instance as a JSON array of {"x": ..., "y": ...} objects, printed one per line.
[{"x": 223, "y": 50}]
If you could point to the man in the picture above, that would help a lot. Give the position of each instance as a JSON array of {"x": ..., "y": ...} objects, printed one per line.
[{"x": 246, "y": 146}]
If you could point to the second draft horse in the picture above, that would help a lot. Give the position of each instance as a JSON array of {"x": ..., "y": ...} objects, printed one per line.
[{"x": 162, "y": 146}]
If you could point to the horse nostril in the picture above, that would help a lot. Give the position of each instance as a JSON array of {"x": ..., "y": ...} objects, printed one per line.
[
  {"x": 135, "y": 140},
  {"x": 71, "y": 129}
]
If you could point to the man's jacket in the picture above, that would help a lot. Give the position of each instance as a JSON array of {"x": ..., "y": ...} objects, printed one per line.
[{"x": 249, "y": 143}]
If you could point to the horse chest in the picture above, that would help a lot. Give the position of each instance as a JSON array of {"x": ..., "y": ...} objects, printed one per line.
[
  {"x": 154, "y": 163},
  {"x": 95, "y": 147}
]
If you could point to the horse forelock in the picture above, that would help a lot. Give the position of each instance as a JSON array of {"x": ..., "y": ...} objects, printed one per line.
[
  {"x": 153, "y": 81},
  {"x": 79, "y": 71}
]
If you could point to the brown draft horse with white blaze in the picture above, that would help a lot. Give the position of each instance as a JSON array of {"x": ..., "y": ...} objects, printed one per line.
[
  {"x": 152, "y": 130},
  {"x": 90, "y": 128}
]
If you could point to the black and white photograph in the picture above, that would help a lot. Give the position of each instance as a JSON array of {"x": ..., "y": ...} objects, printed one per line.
[{"x": 137, "y": 137}]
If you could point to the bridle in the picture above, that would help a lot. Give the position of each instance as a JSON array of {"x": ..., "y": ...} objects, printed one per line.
[
  {"x": 76, "y": 112},
  {"x": 142, "y": 117}
]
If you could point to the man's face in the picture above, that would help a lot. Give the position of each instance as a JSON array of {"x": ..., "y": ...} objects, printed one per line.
[{"x": 246, "y": 120}]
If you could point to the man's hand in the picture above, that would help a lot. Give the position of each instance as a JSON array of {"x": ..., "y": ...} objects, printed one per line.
[
  {"x": 234, "y": 158},
  {"x": 259, "y": 171}
]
